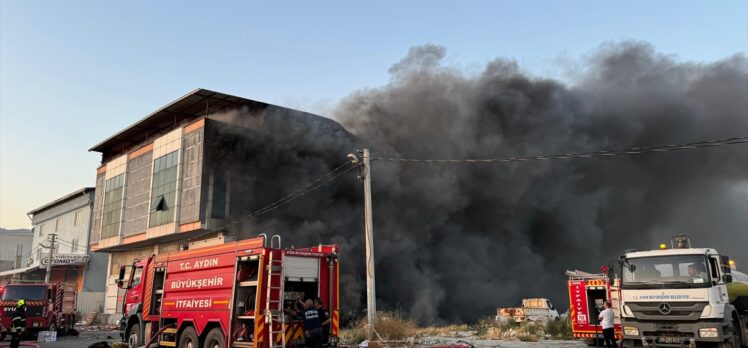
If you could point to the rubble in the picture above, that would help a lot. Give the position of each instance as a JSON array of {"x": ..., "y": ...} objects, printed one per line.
[{"x": 88, "y": 328}]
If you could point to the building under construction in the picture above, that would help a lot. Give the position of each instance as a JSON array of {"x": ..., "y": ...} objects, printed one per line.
[{"x": 187, "y": 173}]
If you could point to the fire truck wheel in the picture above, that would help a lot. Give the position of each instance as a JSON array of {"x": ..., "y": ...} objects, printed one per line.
[
  {"x": 2, "y": 336},
  {"x": 215, "y": 339},
  {"x": 188, "y": 338},
  {"x": 133, "y": 336}
]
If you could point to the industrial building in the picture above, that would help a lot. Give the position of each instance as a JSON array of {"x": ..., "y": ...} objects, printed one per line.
[
  {"x": 69, "y": 219},
  {"x": 13, "y": 245},
  {"x": 181, "y": 176}
]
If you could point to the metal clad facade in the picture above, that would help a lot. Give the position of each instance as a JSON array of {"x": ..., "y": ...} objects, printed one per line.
[
  {"x": 192, "y": 169},
  {"x": 91, "y": 302},
  {"x": 137, "y": 194}
]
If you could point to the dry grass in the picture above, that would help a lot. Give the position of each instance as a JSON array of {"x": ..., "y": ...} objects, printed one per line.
[
  {"x": 390, "y": 326},
  {"x": 441, "y": 331},
  {"x": 559, "y": 329}
]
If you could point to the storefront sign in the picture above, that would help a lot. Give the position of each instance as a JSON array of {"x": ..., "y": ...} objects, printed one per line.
[{"x": 65, "y": 259}]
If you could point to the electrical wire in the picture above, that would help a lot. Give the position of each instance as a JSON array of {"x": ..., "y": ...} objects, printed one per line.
[
  {"x": 578, "y": 155},
  {"x": 75, "y": 247},
  {"x": 309, "y": 187}
]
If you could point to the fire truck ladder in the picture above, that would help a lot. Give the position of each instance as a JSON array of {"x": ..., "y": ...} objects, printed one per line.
[{"x": 274, "y": 306}]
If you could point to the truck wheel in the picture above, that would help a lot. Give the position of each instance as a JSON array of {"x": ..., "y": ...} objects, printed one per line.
[
  {"x": 735, "y": 337},
  {"x": 215, "y": 339},
  {"x": 133, "y": 337},
  {"x": 188, "y": 338}
]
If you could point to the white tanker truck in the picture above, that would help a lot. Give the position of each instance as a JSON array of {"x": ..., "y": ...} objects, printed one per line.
[{"x": 683, "y": 297}]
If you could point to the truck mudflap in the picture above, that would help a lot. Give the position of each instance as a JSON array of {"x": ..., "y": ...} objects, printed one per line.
[
  {"x": 673, "y": 334},
  {"x": 122, "y": 325}
]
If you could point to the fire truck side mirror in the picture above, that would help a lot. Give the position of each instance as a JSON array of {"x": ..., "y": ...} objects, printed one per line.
[
  {"x": 121, "y": 278},
  {"x": 727, "y": 278}
]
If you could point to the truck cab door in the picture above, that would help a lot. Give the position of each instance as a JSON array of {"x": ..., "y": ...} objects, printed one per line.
[{"x": 134, "y": 288}]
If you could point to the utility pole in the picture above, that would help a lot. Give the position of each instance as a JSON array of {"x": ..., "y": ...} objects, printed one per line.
[
  {"x": 371, "y": 294},
  {"x": 51, "y": 256}
]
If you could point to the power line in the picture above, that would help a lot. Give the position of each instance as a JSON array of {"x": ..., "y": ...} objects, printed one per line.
[
  {"x": 76, "y": 247},
  {"x": 575, "y": 155}
]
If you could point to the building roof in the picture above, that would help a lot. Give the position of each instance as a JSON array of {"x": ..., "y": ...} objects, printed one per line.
[
  {"x": 198, "y": 102},
  {"x": 65, "y": 198}
]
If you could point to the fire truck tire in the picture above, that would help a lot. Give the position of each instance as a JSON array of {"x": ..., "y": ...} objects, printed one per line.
[
  {"x": 188, "y": 338},
  {"x": 2, "y": 336},
  {"x": 215, "y": 339},
  {"x": 133, "y": 336}
]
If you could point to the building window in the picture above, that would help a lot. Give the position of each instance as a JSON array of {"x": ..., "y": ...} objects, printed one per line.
[
  {"x": 58, "y": 224},
  {"x": 163, "y": 189},
  {"x": 74, "y": 246},
  {"x": 78, "y": 218},
  {"x": 112, "y": 209},
  {"x": 41, "y": 229}
]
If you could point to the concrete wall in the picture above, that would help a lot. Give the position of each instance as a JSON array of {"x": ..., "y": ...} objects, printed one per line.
[{"x": 98, "y": 207}]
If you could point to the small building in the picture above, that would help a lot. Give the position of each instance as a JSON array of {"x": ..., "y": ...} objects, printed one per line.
[
  {"x": 187, "y": 174},
  {"x": 69, "y": 220},
  {"x": 13, "y": 245}
]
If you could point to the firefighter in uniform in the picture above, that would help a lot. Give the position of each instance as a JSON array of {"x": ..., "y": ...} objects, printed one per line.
[
  {"x": 18, "y": 324},
  {"x": 324, "y": 317}
]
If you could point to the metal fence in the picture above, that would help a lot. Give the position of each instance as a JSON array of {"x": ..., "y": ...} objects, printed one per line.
[{"x": 91, "y": 302}]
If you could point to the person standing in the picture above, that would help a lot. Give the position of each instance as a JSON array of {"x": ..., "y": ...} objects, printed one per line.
[
  {"x": 18, "y": 323},
  {"x": 324, "y": 317},
  {"x": 312, "y": 325},
  {"x": 606, "y": 320}
]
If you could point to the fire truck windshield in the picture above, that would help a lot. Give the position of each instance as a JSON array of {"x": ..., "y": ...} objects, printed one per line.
[
  {"x": 26, "y": 292},
  {"x": 658, "y": 272}
]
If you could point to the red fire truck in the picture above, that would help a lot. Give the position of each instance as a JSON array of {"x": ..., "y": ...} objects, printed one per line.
[
  {"x": 587, "y": 292},
  {"x": 49, "y": 307},
  {"x": 237, "y": 294}
]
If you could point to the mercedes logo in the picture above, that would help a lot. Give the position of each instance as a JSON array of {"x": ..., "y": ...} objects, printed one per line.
[{"x": 664, "y": 308}]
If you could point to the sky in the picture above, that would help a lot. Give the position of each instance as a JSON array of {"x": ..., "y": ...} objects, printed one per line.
[{"x": 73, "y": 73}]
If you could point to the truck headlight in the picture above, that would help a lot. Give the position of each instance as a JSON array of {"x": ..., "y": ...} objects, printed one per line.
[
  {"x": 707, "y": 311},
  {"x": 627, "y": 311},
  {"x": 630, "y": 331},
  {"x": 709, "y": 332}
]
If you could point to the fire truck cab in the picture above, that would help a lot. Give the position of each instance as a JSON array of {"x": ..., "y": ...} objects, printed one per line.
[
  {"x": 237, "y": 294},
  {"x": 49, "y": 306}
]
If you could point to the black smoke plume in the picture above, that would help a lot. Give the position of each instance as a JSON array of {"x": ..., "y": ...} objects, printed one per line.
[{"x": 455, "y": 241}]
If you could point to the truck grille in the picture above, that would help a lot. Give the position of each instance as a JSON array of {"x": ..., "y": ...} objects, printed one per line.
[{"x": 667, "y": 310}]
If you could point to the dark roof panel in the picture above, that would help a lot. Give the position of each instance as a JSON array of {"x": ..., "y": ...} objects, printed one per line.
[{"x": 193, "y": 104}]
